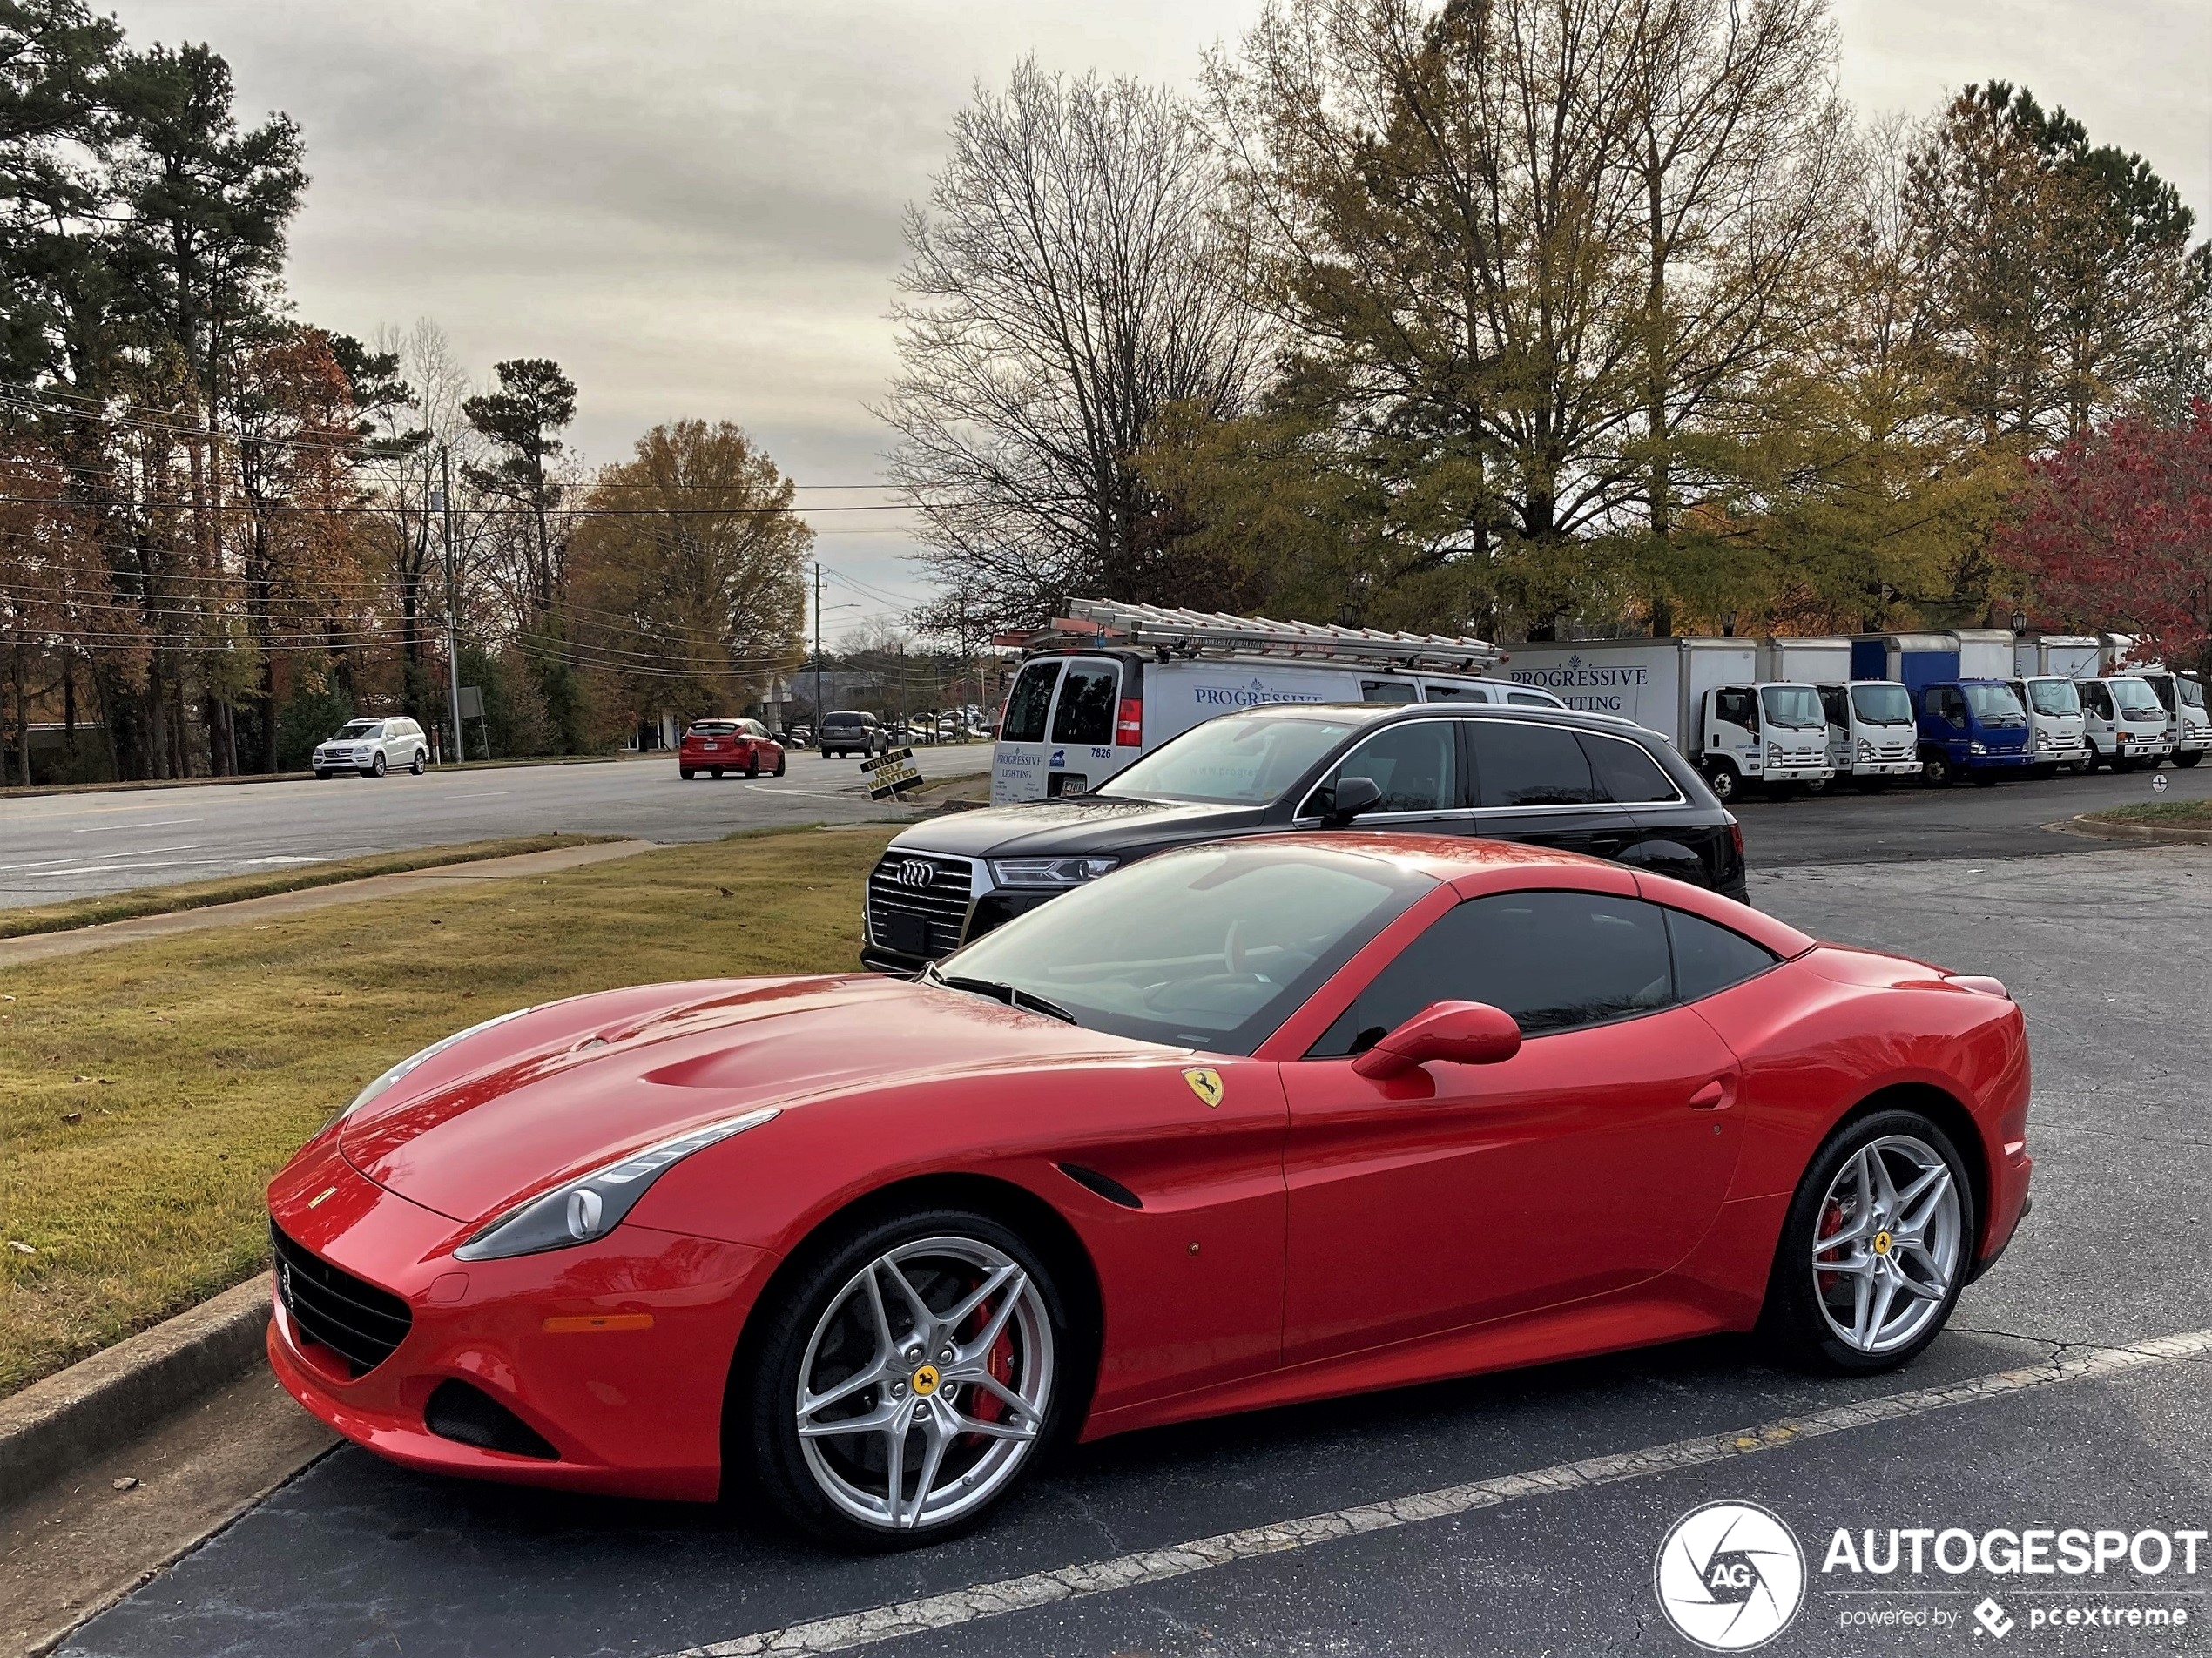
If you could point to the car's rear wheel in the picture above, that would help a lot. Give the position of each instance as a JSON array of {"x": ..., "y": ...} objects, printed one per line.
[
  {"x": 752, "y": 763},
  {"x": 1876, "y": 1249},
  {"x": 420, "y": 764},
  {"x": 686, "y": 774},
  {"x": 906, "y": 1384}
]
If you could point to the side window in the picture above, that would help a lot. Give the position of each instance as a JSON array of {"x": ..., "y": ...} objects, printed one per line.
[
  {"x": 1437, "y": 693},
  {"x": 1029, "y": 702},
  {"x": 1835, "y": 704},
  {"x": 1737, "y": 708},
  {"x": 1708, "y": 957},
  {"x": 1415, "y": 765},
  {"x": 1553, "y": 960},
  {"x": 1388, "y": 691},
  {"x": 1625, "y": 773},
  {"x": 1531, "y": 700},
  {"x": 1088, "y": 697},
  {"x": 1526, "y": 765},
  {"x": 2097, "y": 699}
]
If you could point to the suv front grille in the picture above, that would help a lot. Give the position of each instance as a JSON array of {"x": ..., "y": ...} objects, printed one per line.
[
  {"x": 359, "y": 1322},
  {"x": 918, "y": 903}
]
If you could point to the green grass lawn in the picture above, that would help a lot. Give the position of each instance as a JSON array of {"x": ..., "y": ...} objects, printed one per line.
[
  {"x": 148, "y": 1092},
  {"x": 2170, "y": 815}
]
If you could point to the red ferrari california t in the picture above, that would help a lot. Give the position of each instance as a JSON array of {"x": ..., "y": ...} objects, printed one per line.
[{"x": 1240, "y": 1125}]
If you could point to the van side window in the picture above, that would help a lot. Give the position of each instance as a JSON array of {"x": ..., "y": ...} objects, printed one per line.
[
  {"x": 1087, "y": 697},
  {"x": 1531, "y": 700},
  {"x": 1029, "y": 703},
  {"x": 1388, "y": 691},
  {"x": 1436, "y": 693}
]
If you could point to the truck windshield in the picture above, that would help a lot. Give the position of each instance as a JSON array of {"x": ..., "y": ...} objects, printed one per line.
[
  {"x": 2053, "y": 697},
  {"x": 1882, "y": 704},
  {"x": 1996, "y": 705},
  {"x": 1243, "y": 760},
  {"x": 2137, "y": 700},
  {"x": 1793, "y": 705}
]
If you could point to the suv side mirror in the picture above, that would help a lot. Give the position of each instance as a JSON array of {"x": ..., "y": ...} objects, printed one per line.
[
  {"x": 1351, "y": 796},
  {"x": 1465, "y": 1033}
]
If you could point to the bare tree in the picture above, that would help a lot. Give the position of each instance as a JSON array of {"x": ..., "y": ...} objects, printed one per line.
[{"x": 1068, "y": 280}]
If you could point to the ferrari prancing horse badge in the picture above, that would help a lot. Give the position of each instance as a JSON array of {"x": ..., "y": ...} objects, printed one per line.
[{"x": 1205, "y": 1083}]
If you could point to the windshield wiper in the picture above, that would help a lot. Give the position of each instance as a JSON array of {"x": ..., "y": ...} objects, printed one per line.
[{"x": 1012, "y": 996}]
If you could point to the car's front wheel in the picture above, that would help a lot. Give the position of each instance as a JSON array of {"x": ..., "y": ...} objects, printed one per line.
[
  {"x": 1876, "y": 1249},
  {"x": 906, "y": 1382},
  {"x": 379, "y": 766},
  {"x": 779, "y": 764}
]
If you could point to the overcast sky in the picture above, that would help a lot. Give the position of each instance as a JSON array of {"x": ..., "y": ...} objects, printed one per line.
[{"x": 693, "y": 205}]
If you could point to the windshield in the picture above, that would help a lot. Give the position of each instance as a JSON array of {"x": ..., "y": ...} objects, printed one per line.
[
  {"x": 2137, "y": 700},
  {"x": 1882, "y": 704},
  {"x": 1212, "y": 948},
  {"x": 2053, "y": 697},
  {"x": 1247, "y": 760},
  {"x": 1995, "y": 704},
  {"x": 1798, "y": 705},
  {"x": 360, "y": 728}
]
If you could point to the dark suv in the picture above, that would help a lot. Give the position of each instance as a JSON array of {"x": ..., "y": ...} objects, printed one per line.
[
  {"x": 849, "y": 731},
  {"x": 1582, "y": 783}
]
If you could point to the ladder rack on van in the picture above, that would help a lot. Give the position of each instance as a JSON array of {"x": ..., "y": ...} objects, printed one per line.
[{"x": 1189, "y": 633}]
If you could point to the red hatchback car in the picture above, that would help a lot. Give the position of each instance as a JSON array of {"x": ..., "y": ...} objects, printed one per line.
[
  {"x": 1240, "y": 1125},
  {"x": 717, "y": 745}
]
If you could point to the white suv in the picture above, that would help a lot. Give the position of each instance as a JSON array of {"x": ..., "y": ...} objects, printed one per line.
[{"x": 372, "y": 747}]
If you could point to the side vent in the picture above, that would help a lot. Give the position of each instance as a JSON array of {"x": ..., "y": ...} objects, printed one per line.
[{"x": 1112, "y": 1189}]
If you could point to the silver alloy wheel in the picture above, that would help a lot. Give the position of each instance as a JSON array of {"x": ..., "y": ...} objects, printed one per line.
[
  {"x": 926, "y": 1383},
  {"x": 1887, "y": 1243}
]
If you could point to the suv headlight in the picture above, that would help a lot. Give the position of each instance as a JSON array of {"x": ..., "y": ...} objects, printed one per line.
[
  {"x": 592, "y": 1205},
  {"x": 1054, "y": 872},
  {"x": 431, "y": 1052}
]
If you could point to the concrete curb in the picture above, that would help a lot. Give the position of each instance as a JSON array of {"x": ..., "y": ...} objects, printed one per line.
[
  {"x": 67, "y": 1419},
  {"x": 2157, "y": 833}
]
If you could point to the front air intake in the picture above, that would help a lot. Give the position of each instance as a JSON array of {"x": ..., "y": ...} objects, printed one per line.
[{"x": 458, "y": 1411}]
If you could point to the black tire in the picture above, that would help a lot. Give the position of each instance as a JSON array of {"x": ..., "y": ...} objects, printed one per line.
[
  {"x": 782, "y": 760},
  {"x": 1721, "y": 778},
  {"x": 761, "y": 1432},
  {"x": 420, "y": 764},
  {"x": 379, "y": 766},
  {"x": 686, "y": 772},
  {"x": 2185, "y": 761},
  {"x": 1792, "y": 1319},
  {"x": 322, "y": 776},
  {"x": 1936, "y": 770},
  {"x": 752, "y": 764}
]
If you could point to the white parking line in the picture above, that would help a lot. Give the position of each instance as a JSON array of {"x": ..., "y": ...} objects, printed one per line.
[
  {"x": 49, "y": 863},
  {"x": 121, "y": 828},
  {"x": 986, "y": 1601}
]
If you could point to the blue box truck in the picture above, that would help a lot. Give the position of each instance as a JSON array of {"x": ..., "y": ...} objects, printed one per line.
[{"x": 1971, "y": 722}]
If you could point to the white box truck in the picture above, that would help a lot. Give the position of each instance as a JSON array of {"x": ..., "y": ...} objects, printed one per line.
[
  {"x": 1705, "y": 695},
  {"x": 2188, "y": 725},
  {"x": 2047, "y": 669},
  {"x": 1873, "y": 737}
]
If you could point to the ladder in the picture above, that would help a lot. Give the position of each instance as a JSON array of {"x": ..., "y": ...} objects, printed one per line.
[{"x": 1189, "y": 633}]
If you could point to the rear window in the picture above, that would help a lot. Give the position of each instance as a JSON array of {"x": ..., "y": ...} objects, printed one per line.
[
  {"x": 1029, "y": 703},
  {"x": 724, "y": 727},
  {"x": 1627, "y": 774},
  {"x": 1087, "y": 699}
]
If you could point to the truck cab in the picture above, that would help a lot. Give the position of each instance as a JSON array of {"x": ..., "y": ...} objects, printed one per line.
[
  {"x": 1974, "y": 728},
  {"x": 2125, "y": 722},
  {"x": 1772, "y": 734},
  {"x": 2188, "y": 727},
  {"x": 2056, "y": 742},
  {"x": 1873, "y": 734}
]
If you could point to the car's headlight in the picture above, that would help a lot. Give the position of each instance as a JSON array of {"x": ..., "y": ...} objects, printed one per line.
[
  {"x": 1049, "y": 872},
  {"x": 431, "y": 1052},
  {"x": 593, "y": 1204}
]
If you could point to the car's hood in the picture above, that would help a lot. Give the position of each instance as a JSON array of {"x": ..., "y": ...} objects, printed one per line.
[
  {"x": 579, "y": 1083},
  {"x": 1080, "y": 824}
]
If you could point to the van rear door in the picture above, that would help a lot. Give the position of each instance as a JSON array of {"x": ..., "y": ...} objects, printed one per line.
[
  {"x": 1018, "y": 760},
  {"x": 1082, "y": 753}
]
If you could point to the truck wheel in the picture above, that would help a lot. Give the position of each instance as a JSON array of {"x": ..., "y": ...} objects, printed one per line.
[
  {"x": 1721, "y": 778},
  {"x": 2187, "y": 760},
  {"x": 1936, "y": 770}
]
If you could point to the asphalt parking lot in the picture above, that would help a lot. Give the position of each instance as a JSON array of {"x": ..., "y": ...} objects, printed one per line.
[
  {"x": 1518, "y": 1514},
  {"x": 60, "y": 846}
]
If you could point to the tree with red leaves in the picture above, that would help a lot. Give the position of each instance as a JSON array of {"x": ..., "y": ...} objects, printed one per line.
[{"x": 2114, "y": 530}]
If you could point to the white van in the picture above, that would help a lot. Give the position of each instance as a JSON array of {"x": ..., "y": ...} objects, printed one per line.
[
  {"x": 1077, "y": 713},
  {"x": 2125, "y": 722}
]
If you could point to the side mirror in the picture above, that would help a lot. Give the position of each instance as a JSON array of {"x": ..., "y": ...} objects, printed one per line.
[
  {"x": 1351, "y": 796},
  {"x": 1465, "y": 1033}
]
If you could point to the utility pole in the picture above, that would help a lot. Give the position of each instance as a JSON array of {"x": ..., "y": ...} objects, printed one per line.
[
  {"x": 818, "y": 710},
  {"x": 453, "y": 602}
]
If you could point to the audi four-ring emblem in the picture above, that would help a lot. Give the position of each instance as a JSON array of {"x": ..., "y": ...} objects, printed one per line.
[{"x": 915, "y": 871}]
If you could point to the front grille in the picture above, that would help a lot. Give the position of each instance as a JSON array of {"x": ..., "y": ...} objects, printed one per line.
[
  {"x": 915, "y": 917},
  {"x": 359, "y": 1322}
]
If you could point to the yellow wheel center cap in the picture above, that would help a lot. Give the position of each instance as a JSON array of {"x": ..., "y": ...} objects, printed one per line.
[
  {"x": 1882, "y": 1242},
  {"x": 925, "y": 1380}
]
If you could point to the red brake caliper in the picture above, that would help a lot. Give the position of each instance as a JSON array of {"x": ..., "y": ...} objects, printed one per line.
[{"x": 1831, "y": 1221}]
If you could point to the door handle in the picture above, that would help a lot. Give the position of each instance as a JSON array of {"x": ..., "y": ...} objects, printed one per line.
[{"x": 1715, "y": 1094}]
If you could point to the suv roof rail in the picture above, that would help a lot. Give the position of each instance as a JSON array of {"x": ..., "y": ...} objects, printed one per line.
[{"x": 1189, "y": 633}]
